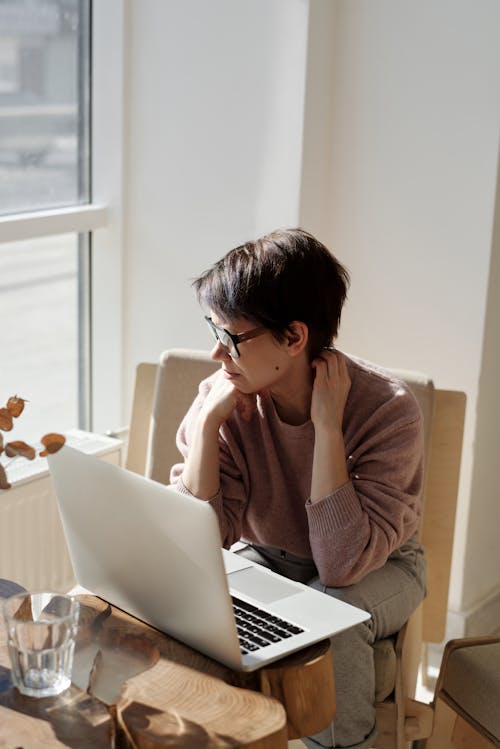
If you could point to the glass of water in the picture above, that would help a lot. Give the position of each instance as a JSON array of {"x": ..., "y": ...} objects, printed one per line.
[{"x": 41, "y": 633}]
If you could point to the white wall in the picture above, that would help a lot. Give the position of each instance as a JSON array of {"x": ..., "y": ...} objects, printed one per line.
[
  {"x": 482, "y": 554},
  {"x": 376, "y": 126},
  {"x": 415, "y": 96},
  {"x": 214, "y": 114}
]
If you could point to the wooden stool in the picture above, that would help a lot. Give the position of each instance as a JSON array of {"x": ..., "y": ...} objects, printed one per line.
[{"x": 467, "y": 699}]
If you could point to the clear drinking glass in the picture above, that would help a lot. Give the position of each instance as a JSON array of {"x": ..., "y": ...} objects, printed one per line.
[{"x": 41, "y": 633}]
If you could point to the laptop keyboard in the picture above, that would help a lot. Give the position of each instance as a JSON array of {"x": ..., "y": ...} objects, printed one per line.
[{"x": 258, "y": 628}]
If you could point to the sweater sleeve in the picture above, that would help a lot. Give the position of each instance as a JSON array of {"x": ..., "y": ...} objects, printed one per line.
[
  {"x": 354, "y": 530},
  {"x": 230, "y": 501}
]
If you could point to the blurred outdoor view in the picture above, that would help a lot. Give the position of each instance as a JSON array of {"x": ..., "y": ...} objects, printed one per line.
[
  {"x": 44, "y": 163},
  {"x": 38, "y": 333}
]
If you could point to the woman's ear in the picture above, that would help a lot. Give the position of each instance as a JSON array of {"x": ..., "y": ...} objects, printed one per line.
[{"x": 296, "y": 337}]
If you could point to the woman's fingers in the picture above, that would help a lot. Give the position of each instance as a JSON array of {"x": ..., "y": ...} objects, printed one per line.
[
  {"x": 224, "y": 398},
  {"x": 331, "y": 388},
  {"x": 331, "y": 364}
]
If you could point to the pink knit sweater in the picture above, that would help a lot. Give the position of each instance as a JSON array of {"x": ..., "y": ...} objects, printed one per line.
[{"x": 265, "y": 478}]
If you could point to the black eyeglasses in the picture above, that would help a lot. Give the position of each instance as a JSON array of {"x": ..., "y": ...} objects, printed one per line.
[{"x": 230, "y": 340}]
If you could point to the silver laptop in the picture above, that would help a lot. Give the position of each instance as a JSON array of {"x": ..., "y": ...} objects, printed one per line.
[{"x": 156, "y": 554}]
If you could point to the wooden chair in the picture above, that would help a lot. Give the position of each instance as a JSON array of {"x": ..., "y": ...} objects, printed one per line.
[
  {"x": 467, "y": 698},
  {"x": 400, "y": 718},
  {"x": 163, "y": 393}
]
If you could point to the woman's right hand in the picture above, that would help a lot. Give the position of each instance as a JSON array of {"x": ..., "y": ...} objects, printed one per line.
[
  {"x": 223, "y": 399},
  {"x": 202, "y": 465}
]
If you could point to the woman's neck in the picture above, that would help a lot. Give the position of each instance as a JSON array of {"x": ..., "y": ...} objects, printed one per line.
[{"x": 292, "y": 399}]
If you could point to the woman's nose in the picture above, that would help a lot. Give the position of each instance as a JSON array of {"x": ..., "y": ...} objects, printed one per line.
[{"x": 219, "y": 352}]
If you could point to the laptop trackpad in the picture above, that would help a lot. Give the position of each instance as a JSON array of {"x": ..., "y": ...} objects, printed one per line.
[{"x": 261, "y": 586}]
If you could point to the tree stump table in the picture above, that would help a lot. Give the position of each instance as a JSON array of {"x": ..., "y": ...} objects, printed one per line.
[{"x": 137, "y": 688}]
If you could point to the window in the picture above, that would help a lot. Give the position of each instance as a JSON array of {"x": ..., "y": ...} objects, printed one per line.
[
  {"x": 39, "y": 307},
  {"x": 44, "y": 104},
  {"x": 46, "y": 214}
]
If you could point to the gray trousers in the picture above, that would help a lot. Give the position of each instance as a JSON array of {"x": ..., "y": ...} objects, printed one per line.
[{"x": 390, "y": 594}]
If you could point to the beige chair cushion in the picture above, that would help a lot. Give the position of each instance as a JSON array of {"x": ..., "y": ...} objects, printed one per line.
[
  {"x": 472, "y": 680},
  {"x": 180, "y": 371}
]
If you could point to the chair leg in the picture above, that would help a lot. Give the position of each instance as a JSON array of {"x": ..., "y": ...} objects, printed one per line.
[
  {"x": 444, "y": 722},
  {"x": 452, "y": 731}
]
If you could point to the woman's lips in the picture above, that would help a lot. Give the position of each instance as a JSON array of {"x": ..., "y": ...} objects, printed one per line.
[{"x": 230, "y": 375}]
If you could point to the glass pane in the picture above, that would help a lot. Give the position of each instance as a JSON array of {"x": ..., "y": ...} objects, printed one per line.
[
  {"x": 39, "y": 334},
  {"x": 44, "y": 104}
]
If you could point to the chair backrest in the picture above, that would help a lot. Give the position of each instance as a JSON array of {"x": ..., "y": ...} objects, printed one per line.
[
  {"x": 163, "y": 394},
  {"x": 444, "y": 414},
  {"x": 165, "y": 391}
]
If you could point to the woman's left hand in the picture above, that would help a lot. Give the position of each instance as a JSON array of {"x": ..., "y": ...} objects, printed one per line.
[{"x": 330, "y": 390}]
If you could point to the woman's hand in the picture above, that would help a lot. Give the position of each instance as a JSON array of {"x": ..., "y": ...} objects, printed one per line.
[
  {"x": 330, "y": 390},
  {"x": 201, "y": 468},
  {"x": 223, "y": 399}
]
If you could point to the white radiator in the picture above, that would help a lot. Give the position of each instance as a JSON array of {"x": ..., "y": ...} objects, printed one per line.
[{"x": 33, "y": 549}]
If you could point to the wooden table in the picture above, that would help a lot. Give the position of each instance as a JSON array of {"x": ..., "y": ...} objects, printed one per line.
[{"x": 136, "y": 688}]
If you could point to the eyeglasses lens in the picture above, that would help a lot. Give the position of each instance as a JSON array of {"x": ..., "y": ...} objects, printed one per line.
[{"x": 224, "y": 339}]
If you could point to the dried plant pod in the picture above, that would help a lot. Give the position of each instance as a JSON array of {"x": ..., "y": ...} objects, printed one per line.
[
  {"x": 20, "y": 448},
  {"x": 52, "y": 443},
  {"x": 4, "y": 484},
  {"x": 15, "y": 405},
  {"x": 1, "y": 443},
  {"x": 6, "y": 422}
]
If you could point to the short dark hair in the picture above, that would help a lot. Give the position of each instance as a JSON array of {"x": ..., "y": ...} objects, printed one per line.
[{"x": 283, "y": 276}]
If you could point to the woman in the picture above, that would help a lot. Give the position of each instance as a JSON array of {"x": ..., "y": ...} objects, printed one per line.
[{"x": 310, "y": 456}]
